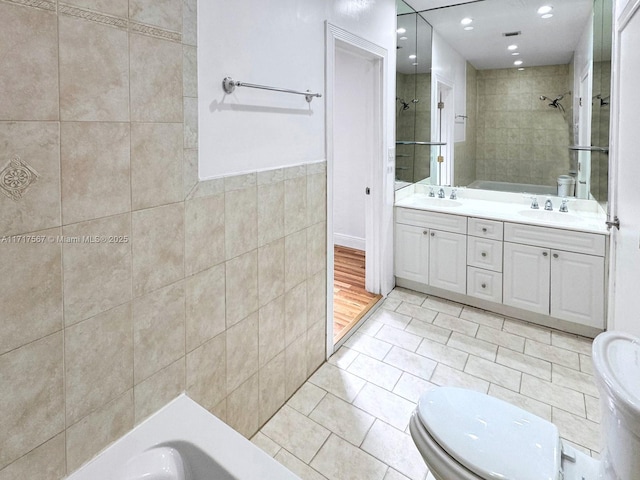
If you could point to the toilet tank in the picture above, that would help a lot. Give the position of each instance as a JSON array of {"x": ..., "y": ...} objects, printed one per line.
[{"x": 616, "y": 361}]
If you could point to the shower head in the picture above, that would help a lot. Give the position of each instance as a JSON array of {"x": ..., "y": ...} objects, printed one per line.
[
  {"x": 555, "y": 103},
  {"x": 405, "y": 105}
]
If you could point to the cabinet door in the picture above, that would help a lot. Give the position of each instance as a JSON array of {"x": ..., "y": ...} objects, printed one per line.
[
  {"x": 448, "y": 261},
  {"x": 577, "y": 288},
  {"x": 526, "y": 277},
  {"x": 412, "y": 253}
]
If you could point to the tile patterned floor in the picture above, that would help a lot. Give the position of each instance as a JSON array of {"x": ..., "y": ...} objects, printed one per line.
[{"x": 350, "y": 419}]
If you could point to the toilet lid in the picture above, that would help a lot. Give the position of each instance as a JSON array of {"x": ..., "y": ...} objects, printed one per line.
[{"x": 492, "y": 438}]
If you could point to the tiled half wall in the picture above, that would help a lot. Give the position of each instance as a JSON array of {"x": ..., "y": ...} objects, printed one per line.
[{"x": 125, "y": 281}]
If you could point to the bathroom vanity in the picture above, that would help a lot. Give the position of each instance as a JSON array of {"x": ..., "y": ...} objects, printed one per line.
[{"x": 493, "y": 251}]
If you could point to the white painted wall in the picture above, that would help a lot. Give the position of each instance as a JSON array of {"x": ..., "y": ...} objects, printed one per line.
[
  {"x": 279, "y": 43},
  {"x": 449, "y": 65},
  {"x": 353, "y": 146}
]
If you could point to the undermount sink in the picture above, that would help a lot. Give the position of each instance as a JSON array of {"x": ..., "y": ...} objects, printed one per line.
[
  {"x": 549, "y": 216},
  {"x": 437, "y": 202}
]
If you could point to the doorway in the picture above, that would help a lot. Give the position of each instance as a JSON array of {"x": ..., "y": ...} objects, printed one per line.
[
  {"x": 358, "y": 216},
  {"x": 442, "y": 131}
]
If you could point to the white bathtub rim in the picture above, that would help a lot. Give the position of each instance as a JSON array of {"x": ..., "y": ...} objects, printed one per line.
[{"x": 174, "y": 422}]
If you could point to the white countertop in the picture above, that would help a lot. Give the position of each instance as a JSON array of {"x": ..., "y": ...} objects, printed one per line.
[{"x": 583, "y": 215}]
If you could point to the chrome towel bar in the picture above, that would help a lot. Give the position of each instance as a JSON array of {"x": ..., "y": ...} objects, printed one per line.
[
  {"x": 587, "y": 148},
  {"x": 400, "y": 142},
  {"x": 229, "y": 85}
]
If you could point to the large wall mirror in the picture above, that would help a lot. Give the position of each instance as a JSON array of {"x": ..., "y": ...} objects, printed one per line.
[
  {"x": 413, "y": 97},
  {"x": 526, "y": 126}
]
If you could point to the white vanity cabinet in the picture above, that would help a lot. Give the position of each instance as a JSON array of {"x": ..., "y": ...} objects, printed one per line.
[
  {"x": 562, "y": 282},
  {"x": 555, "y": 277},
  {"x": 431, "y": 249}
]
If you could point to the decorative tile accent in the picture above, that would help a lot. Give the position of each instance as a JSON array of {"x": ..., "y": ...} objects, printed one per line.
[
  {"x": 93, "y": 16},
  {"x": 16, "y": 177},
  {"x": 42, "y": 4},
  {"x": 155, "y": 32}
]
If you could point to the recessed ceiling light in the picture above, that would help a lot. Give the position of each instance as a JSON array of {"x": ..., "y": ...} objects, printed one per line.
[
  {"x": 544, "y": 9},
  {"x": 415, "y": 64},
  {"x": 468, "y": 28},
  {"x": 546, "y": 15},
  {"x": 412, "y": 57},
  {"x": 512, "y": 47},
  {"x": 402, "y": 38},
  {"x": 521, "y": 68},
  {"x": 518, "y": 62},
  {"x": 515, "y": 54},
  {"x": 401, "y": 30},
  {"x": 466, "y": 21}
]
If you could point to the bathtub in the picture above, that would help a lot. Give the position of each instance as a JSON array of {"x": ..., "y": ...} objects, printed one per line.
[
  {"x": 514, "y": 187},
  {"x": 183, "y": 441}
]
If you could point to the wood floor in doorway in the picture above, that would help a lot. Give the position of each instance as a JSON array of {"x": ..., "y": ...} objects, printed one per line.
[{"x": 350, "y": 299}]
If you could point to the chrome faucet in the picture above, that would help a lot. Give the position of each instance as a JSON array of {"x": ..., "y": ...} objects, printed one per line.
[
  {"x": 441, "y": 193},
  {"x": 453, "y": 195},
  {"x": 563, "y": 207},
  {"x": 431, "y": 193},
  {"x": 548, "y": 205},
  {"x": 534, "y": 203}
]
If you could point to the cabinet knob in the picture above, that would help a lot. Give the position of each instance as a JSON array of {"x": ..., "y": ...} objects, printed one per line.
[
  {"x": 425, "y": 232},
  {"x": 484, "y": 254},
  {"x": 544, "y": 254},
  {"x": 555, "y": 255},
  {"x": 433, "y": 234},
  {"x": 484, "y": 230},
  {"x": 484, "y": 285}
]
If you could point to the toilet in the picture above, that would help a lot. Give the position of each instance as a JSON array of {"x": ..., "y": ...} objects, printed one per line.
[{"x": 466, "y": 435}]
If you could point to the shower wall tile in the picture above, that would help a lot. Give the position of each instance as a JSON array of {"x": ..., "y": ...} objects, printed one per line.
[
  {"x": 161, "y": 13},
  {"x": 190, "y": 122},
  {"x": 119, "y": 8},
  {"x": 295, "y": 259},
  {"x": 158, "y": 247},
  {"x": 316, "y": 248},
  {"x": 295, "y": 312},
  {"x": 95, "y": 167},
  {"x": 316, "y": 347},
  {"x": 271, "y": 271},
  {"x": 30, "y": 291},
  {"x": 42, "y": 463},
  {"x": 241, "y": 221},
  {"x": 189, "y": 22},
  {"x": 295, "y": 204},
  {"x": 316, "y": 293},
  {"x": 190, "y": 71},
  {"x": 109, "y": 284},
  {"x": 204, "y": 235},
  {"x": 242, "y": 351},
  {"x": 29, "y": 76},
  {"x": 35, "y": 375},
  {"x": 205, "y": 310},
  {"x": 270, "y": 212},
  {"x": 243, "y": 408},
  {"x": 242, "y": 287},
  {"x": 156, "y": 164},
  {"x": 97, "y": 430},
  {"x": 271, "y": 326},
  {"x": 156, "y": 80},
  {"x": 159, "y": 389},
  {"x": 94, "y": 71},
  {"x": 158, "y": 330},
  {"x": 98, "y": 361},
  {"x": 37, "y": 144},
  {"x": 272, "y": 387},
  {"x": 295, "y": 365},
  {"x": 207, "y": 373}
]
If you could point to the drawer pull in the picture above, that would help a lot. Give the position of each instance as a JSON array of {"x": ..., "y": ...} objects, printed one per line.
[
  {"x": 425, "y": 232},
  {"x": 484, "y": 229},
  {"x": 433, "y": 234},
  {"x": 544, "y": 254},
  {"x": 555, "y": 255},
  {"x": 484, "y": 254},
  {"x": 484, "y": 285}
]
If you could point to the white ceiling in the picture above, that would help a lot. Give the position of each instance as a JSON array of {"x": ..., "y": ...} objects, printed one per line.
[{"x": 542, "y": 42}]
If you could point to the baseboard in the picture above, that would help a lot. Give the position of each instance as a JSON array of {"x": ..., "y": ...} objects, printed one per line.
[{"x": 348, "y": 241}]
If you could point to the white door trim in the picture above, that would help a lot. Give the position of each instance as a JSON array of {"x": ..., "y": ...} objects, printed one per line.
[
  {"x": 377, "y": 215},
  {"x": 447, "y": 87}
]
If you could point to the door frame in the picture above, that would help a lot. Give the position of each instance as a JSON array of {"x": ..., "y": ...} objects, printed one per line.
[
  {"x": 378, "y": 210},
  {"x": 442, "y": 129}
]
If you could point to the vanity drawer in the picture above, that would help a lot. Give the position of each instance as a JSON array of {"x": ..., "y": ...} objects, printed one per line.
[
  {"x": 568, "y": 240},
  {"x": 427, "y": 219},
  {"x": 484, "y": 253},
  {"x": 484, "y": 284},
  {"x": 479, "y": 227}
]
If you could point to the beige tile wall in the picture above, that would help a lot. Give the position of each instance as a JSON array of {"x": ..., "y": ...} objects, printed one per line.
[
  {"x": 519, "y": 138},
  {"x": 465, "y": 152},
  {"x": 217, "y": 288}
]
